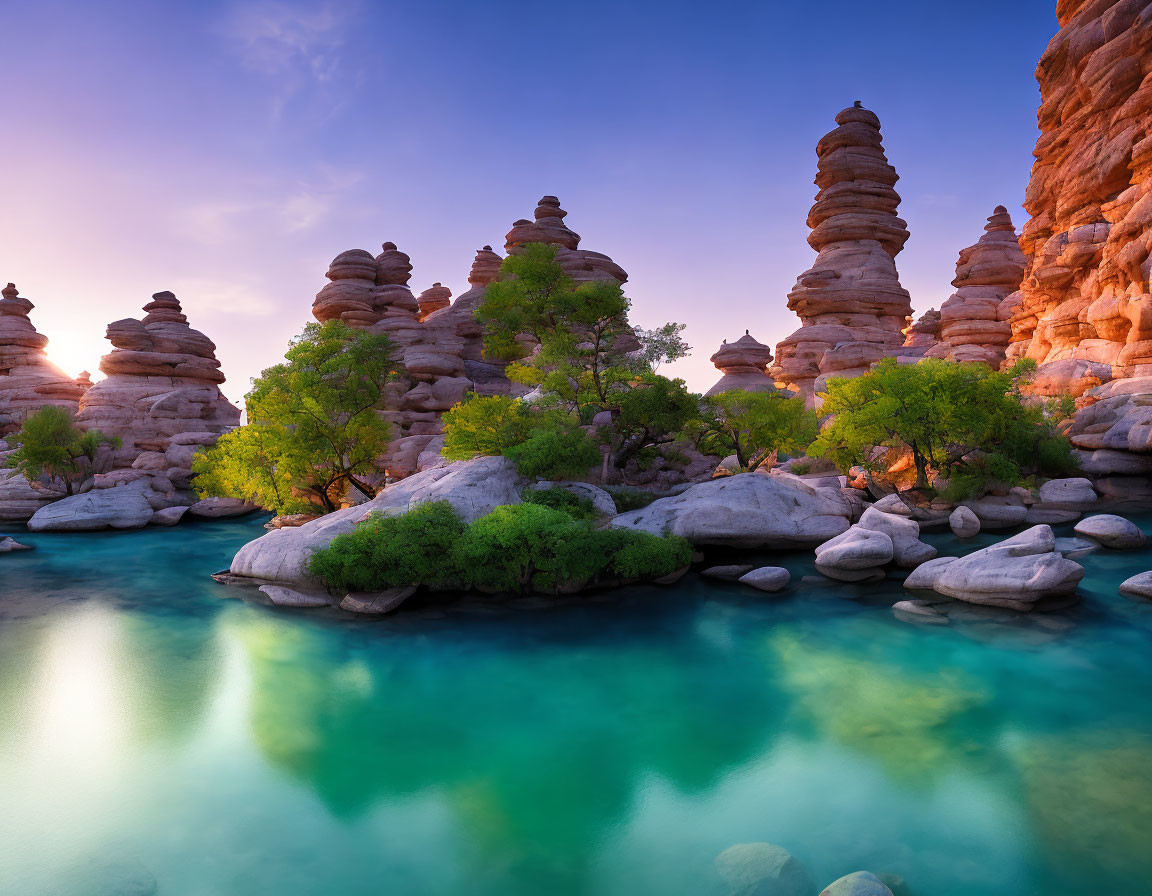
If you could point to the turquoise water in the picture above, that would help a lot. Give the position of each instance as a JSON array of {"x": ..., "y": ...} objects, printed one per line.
[{"x": 156, "y": 737}]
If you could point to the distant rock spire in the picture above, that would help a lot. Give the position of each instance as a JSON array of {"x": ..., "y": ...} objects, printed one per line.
[{"x": 743, "y": 364}]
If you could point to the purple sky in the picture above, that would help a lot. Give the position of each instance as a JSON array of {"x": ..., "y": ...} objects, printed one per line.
[{"x": 228, "y": 150}]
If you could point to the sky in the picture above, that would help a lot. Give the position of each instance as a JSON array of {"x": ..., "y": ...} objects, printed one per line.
[{"x": 227, "y": 151}]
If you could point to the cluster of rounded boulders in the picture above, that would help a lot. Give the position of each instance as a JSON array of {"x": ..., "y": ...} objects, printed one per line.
[
  {"x": 974, "y": 321},
  {"x": 744, "y": 365},
  {"x": 160, "y": 396},
  {"x": 28, "y": 380},
  {"x": 439, "y": 342},
  {"x": 850, "y": 302},
  {"x": 1086, "y": 294}
]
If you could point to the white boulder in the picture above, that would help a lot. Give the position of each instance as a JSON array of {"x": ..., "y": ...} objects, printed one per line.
[
  {"x": 1138, "y": 586},
  {"x": 963, "y": 522},
  {"x": 124, "y": 507},
  {"x": 1112, "y": 531},
  {"x": 767, "y": 578}
]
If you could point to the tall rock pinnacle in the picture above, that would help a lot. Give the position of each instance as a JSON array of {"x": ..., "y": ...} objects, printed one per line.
[{"x": 851, "y": 305}]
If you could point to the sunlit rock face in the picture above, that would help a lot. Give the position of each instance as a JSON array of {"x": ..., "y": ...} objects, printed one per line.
[
  {"x": 974, "y": 321},
  {"x": 1085, "y": 293},
  {"x": 28, "y": 380},
  {"x": 851, "y": 305},
  {"x": 744, "y": 365},
  {"x": 161, "y": 396},
  {"x": 439, "y": 342}
]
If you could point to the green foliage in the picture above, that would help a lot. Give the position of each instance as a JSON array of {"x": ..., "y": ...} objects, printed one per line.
[
  {"x": 754, "y": 426},
  {"x": 316, "y": 427},
  {"x": 514, "y": 548},
  {"x": 557, "y": 449},
  {"x": 563, "y": 500},
  {"x": 484, "y": 424},
  {"x": 630, "y": 498},
  {"x": 393, "y": 551},
  {"x": 53, "y": 447},
  {"x": 963, "y": 422},
  {"x": 588, "y": 360},
  {"x": 800, "y": 468}
]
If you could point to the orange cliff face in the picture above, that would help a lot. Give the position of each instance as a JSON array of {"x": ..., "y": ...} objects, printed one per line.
[{"x": 1085, "y": 297}]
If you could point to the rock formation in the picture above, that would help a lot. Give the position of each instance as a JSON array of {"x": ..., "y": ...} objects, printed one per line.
[
  {"x": 922, "y": 335},
  {"x": 974, "y": 321},
  {"x": 440, "y": 344},
  {"x": 743, "y": 364},
  {"x": 28, "y": 380},
  {"x": 161, "y": 396},
  {"x": 1085, "y": 294},
  {"x": 851, "y": 305}
]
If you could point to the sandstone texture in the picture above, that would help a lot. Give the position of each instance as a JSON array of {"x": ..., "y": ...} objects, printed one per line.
[
  {"x": 28, "y": 380},
  {"x": 438, "y": 341},
  {"x": 744, "y": 365},
  {"x": 974, "y": 321},
  {"x": 749, "y": 510},
  {"x": 161, "y": 396},
  {"x": 851, "y": 305}
]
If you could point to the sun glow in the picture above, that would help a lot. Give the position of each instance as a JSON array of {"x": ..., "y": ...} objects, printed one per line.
[{"x": 75, "y": 353}]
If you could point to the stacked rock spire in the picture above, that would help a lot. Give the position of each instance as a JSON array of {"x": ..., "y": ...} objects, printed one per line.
[
  {"x": 744, "y": 365},
  {"x": 974, "y": 321},
  {"x": 851, "y": 305}
]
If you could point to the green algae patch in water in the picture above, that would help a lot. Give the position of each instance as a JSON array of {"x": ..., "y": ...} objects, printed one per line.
[{"x": 159, "y": 735}]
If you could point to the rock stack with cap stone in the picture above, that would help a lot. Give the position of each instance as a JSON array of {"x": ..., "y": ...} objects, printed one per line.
[
  {"x": 974, "y": 321},
  {"x": 28, "y": 380},
  {"x": 743, "y": 364},
  {"x": 851, "y": 305},
  {"x": 434, "y": 299},
  {"x": 161, "y": 396}
]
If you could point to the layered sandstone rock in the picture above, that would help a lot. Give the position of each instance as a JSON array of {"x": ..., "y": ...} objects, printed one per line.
[
  {"x": 28, "y": 380},
  {"x": 974, "y": 321},
  {"x": 161, "y": 396},
  {"x": 440, "y": 345},
  {"x": 922, "y": 336},
  {"x": 744, "y": 365},
  {"x": 1086, "y": 290},
  {"x": 851, "y": 305}
]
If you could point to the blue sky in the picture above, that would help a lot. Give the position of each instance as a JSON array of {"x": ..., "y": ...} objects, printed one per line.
[{"x": 228, "y": 150}]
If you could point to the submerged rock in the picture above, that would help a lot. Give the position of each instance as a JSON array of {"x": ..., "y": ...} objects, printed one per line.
[
  {"x": 10, "y": 545},
  {"x": 748, "y": 510},
  {"x": 728, "y": 573},
  {"x": 859, "y": 883},
  {"x": 1138, "y": 586},
  {"x": 289, "y": 597},
  {"x": 1112, "y": 531},
  {"x": 767, "y": 578},
  {"x": 919, "y": 611},
  {"x": 377, "y": 603},
  {"x": 762, "y": 869}
]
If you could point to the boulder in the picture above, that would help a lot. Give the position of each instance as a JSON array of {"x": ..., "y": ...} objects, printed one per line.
[
  {"x": 168, "y": 516},
  {"x": 1077, "y": 492},
  {"x": 727, "y": 573},
  {"x": 219, "y": 508},
  {"x": 924, "y": 576},
  {"x": 1138, "y": 586},
  {"x": 1112, "y": 531},
  {"x": 474, "y": 488},
  {"x": 762, "y": 869},
  {"x": 748, "y": 510},
  {"x": 908, "y": 550},
  {"x": 1052, "y": 516},
  {"x": 997, "y": 513},
  {"x": 1014, "y": 573},
  {"x": 767, "y": 578},
  {"x": 859, "y": 883},
  {"x": 1076, "y": 547},
  {"x": 125, "y": 507},
  {"x": 919, "y": 611},
  {"x": 377, "y": 603},
  {"x": 9, "y": 545},
  {"x": 964, "y": 523},
  {"x": 858, "y": 555}
]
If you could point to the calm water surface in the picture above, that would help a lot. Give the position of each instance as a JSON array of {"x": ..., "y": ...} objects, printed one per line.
[{"x": 157, "y": 737}]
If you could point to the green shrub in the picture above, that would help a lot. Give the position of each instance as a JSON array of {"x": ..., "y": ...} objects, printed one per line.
[
  {"x": 800, "y": 468},
  {"x": 555, "y": 452},
  {"x": 514, "y": 548},
  {"x": 393, "y": 551},
  {"x": 563, "y": 500},
  {"x": 630, "y": 498}
]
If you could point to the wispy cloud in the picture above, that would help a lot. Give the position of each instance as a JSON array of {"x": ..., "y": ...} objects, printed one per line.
[{"x": 295, "y": 46}]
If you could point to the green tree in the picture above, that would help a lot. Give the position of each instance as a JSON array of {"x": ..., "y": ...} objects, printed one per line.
[
  {"x": 963, "y": 422},
  {"x": 754, "y": 426},
  {"x": 651, "y": 413},
  {"x": 53, "y": 447},
  {"x": 484, "y": 424},
  {"x": 315, "y": 428}
]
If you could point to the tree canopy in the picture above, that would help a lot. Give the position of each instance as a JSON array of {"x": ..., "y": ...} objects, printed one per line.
[
  {"x": 754, "y": 426},
  {"x": 965, "y": 423},
  {"x": 53, "y": 447},
  {"x": 314, "y": 428}
]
